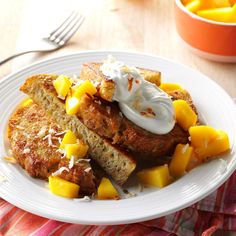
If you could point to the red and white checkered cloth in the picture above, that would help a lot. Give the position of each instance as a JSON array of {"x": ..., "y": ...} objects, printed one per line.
[{"x": 216, "y": 211}]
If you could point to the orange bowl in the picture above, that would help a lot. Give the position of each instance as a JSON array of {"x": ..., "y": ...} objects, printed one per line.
[{"x": 209, "y": 39}]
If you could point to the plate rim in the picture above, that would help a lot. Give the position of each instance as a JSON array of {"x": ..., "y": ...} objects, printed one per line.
[{"x": 137, "y": 219}]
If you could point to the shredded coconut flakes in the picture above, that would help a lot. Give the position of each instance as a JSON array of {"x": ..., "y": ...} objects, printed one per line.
[
  {"x": 82, "y": 159},
  {"x": 61, "y": 97},
  {"x": 3, "y": 179},
  {"x": 185, "y": 148},
  {"x": 84, "y": 199},
  {"x": 71, "y": 162},
  {"x": 26, "y": 150},
  {"x": 60, "y": 133},
  {"x": 59, "y": 171},
  {"x": 19, "y": 127},
  {"x": 87, "y": 169},
  {"x": 42, "y": 132}
]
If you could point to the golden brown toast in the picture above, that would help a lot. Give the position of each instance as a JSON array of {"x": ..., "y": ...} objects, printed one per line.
[
  {"x": 34, "y": 140},
  {"x": 117, "y": 163}
]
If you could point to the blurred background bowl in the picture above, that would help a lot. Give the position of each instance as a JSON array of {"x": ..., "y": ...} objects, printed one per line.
[{"x": 209, "y": 39}]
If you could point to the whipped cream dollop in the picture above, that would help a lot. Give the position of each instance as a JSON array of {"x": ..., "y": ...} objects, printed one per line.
[{"x": 140, "y": 101}]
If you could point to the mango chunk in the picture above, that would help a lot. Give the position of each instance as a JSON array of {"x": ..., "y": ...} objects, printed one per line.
[
  {"x": 167, "y": 87},
  {"x": 156, "y": 176},
  {"x": 69, "y": 138},
  {"x": 232, "y": 2},
  {"x": 62, "y": 85},
  {"x": 85, "y": 87},
  {"x": 201, "y": 135},
  {"x": 106, "y": 190},
  {"x": 194, "y": 6},
  {"x": 218, "y": 14},
  {"x": 186, "y": 1},
  {"x": 217, "y": 146},
  {"x": 72, "y": 105},
  {"x": 184, "y": 114},
  {"x": 63, "y": 188},
  {"x": 78, "y": 150},
  {"x": 26, "y": 102},
  {"x": 180, "y": 160}
]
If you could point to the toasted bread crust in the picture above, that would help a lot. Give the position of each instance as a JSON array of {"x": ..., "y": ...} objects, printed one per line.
[
  {"x": 37, "y": 155},
  {"x": 118, "y": 163}
]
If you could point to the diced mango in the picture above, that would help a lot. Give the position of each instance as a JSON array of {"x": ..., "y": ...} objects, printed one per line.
[
  {"x": 106, "y": 190},
  {"x": 186, "y": 1},
  {"x": 180, "y": 160},
  {"x": 167, "y": 87},
  {"x": 194, "y": 6},
  {"x": 156, "y": 176},
  {"x": 72, "y": 105},
  {"x": 26, "y": 102},
  {"x": 233, "y": 17},
  {"x": 85, "y": 87},
  {"x": 232, "y": 2},
  {"x": 78, "y": 150},
  {"x": 201, "y": 135},
  {"x": 62, "y": 85},
  {"x": 218, "y": 14},
  {"x": 69, "y": 138},
  {"x": 217, "y": 146},
  {"x": 63, "y": 188},
  {"x": 184, "y": 114},
  {"x": 209, "y": 4}
]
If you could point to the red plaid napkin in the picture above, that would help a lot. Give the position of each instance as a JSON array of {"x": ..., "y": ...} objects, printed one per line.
[{"x": 216, "y": 212}]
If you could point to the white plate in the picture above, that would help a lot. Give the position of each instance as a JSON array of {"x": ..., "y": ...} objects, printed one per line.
[{"x": 215, "y": 106}]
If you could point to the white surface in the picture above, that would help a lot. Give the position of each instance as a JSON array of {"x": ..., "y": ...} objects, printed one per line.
[{"x": 214, "y": 105}]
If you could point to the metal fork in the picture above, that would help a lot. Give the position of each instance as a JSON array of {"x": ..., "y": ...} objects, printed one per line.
[{"x": 57, "y": 38}]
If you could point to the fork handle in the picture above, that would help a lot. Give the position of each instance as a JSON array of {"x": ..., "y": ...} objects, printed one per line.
[{"x": 19, "y": 54}]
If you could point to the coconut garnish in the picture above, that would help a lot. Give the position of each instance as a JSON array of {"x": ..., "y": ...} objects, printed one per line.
[
  {"x": 60, "y": 133},
  {"x": 185, "y": 148},
  {"x": 61, "y": 97},
  {"x": 87, "y": 169},
  {"x": 42, "y": 132},
  {"x": 71, "y": 162},
  {"x": 130, "y": 194},
  {"x": 19, "y": 127},
  {"x": 51, "y": 130},
  {"x": 84, "y": 199},
  {"x": 59, "y": 171},
  {"x": 26, "y": 150},
  {"x": 108, "y": 109},
  {"x": 82, "y": 159},
  {"x": 2, "y": 179}
]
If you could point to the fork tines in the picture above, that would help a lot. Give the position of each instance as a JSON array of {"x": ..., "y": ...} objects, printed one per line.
[{"x": 67, "y": 29}]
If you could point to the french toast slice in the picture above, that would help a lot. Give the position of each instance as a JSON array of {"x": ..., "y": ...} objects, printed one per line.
[
  {"x": 106, "y": 88},
  {"x": 117, "y": 163},
  {"x": 34, "y": 140}
]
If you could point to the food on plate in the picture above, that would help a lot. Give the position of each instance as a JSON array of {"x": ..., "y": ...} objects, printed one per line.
[
  {"x": 122, "y": 118},
  {"x": 106, "y": 190},
  {"x": 208, "y": 142},
  {"x": 35, "y": 141},
  {"x": 168, "y": 87},
  {"x": 180, "y": 160},
  {"x": 184, "y": 114},
  {"x": 156, "y": 176},
  {"x": 63, "y": 188},
  {"x": 217, "y": 10}
]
